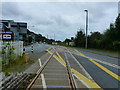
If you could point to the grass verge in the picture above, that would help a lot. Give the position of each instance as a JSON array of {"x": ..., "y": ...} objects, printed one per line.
[{"x": 18, "y": 65}]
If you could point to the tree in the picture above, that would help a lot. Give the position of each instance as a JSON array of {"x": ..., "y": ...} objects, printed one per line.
[
  {"x": 95, "y": 39},
  {"x": 80, "y": 39},
  {"x": 67, "y": 41},
  {"x": 117, "y": 28}
]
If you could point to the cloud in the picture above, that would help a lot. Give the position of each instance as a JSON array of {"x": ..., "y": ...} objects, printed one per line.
[{"x": 63, "y": 18}]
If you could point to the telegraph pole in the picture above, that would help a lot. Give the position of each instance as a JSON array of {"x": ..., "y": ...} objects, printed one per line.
[
  {"x": 54, "y": 36},
  {"x": 86, "y": 27}
]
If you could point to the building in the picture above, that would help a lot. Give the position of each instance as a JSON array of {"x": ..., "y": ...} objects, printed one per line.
[{"x": 15, "y": 28}]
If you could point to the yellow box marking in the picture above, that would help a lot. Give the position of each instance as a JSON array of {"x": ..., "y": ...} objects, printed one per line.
[
  {"x": 85, "y": 79},
  {"x": 49, "y": 51},
  {"x": 89, "y": 82},
  {"x": 61, "y": 59},
  {"x": 102, "y": 67},
  {"x": 58, "y": 58},
  {"x": 79, "y": 52}
]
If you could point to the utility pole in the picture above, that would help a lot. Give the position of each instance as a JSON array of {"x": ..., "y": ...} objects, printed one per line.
[
  {"x": 18, "y": 30},
  {"x": 54, "y": 36},
  {"x": 86, "y": 27},
  {"x": 47, "y": 36}
]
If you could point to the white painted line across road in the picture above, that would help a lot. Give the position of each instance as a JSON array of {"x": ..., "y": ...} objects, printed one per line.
[{"x": 42, "y": 77}]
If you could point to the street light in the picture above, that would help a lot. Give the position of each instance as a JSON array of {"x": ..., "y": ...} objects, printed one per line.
[{"x": 86, "y": 27}]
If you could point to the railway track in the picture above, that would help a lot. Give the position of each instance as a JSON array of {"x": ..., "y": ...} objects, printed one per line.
[{"x": 52, "y": 74}]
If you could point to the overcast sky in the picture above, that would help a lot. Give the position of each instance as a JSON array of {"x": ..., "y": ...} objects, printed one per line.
[{"x": 61, "y": 18}]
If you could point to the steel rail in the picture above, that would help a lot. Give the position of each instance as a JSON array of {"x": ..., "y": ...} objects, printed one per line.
[
  {"x": 39, "y": 72},
  {"x": 71, "y": 78}
]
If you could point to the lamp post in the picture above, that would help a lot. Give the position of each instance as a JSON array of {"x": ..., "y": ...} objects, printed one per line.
[{"x": 86, "y": 27}]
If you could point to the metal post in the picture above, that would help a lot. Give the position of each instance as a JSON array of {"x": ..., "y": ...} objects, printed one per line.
[
  {"x": 18, "y": 29},
  {"x": 86, "y": 27},
  {"x": 32, "y": 48},
  {"x": 54, "y": 36},
  {"x": 23, "y": 50}
]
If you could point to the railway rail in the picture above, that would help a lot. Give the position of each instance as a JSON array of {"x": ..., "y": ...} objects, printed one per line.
[
  {"x": 55, "y": 75},
  {"x": 53, "y": 72}
]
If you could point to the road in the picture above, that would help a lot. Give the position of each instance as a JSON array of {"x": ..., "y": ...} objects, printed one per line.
[
  {"x": 37, "y": 47},
  {"x": 65, "y": 67},
  {"x": 105, "y": 72}
]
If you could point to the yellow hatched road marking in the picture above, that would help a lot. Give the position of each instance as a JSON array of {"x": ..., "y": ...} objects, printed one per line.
[
  {"x": 63, "y": 61},
  {"x": 49, "y": 48},
  {"x": 103, "y": 68},
  {"x": 85, "y": 79},
  {"x": 79, "y": 52},
  {"x": 89, "y": 82},
  {"x": 58, "y": 58}
]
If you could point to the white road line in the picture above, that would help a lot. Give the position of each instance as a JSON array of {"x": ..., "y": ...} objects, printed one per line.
[
  {"x": 109, "y": 64},
  {"x": 43, "y": 81},
  {"x": 88, "y": 75},
  {"x": 82, "y": 81},
  {"x": 40, "y": 62},
  {"x": 42, "y": 76}
]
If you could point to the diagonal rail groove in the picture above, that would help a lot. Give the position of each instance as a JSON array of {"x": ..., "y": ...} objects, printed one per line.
[
  {"x": 71, "y": 78},
  {"x": 39, "y": 72}
]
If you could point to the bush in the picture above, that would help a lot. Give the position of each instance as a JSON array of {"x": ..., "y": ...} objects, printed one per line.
[{"x": 7, "y": 73}]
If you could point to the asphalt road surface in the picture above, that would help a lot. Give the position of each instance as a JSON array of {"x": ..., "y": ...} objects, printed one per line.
[
  {"x": 91, "y": 66},
  {"x": 105, "y": 78}
]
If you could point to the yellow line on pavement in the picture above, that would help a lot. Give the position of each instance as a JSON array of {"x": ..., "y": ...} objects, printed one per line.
[
  {"x": 49, "y": 51},
  {"x": 103, "y": 68},
  {"x": 58, "y": 57},
  {"x": 89, "y": 82},
  {"x": 106, "y": 70},
  {"x": 79, "y": 52}
]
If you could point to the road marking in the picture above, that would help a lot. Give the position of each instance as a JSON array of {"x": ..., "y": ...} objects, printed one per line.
[
  {"x": 42, "y": 77},
  {"x": 43, "y": 81},
  {"x": 79, "y": 52},
  {"x": 105, "y": 69},
  {"x": 109, "y": 64},
  {"x": 62, "y": 60},
  {"x": 81, "y": 81},
  {"x": 49, "y": 48},
  {"x": 85, "y": 79},
  {"x": 89, "y": 82},
  {"x": 88, "y": 75},
  {"x": 58, "y": 58},
  {"x": 40, "y": 62}
]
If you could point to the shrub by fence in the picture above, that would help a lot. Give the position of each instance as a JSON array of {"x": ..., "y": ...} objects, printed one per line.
[{"x": 10, "y": 50}]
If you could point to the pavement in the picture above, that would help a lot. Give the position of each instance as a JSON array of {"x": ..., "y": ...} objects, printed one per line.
[{"x": 90, "y": 69}]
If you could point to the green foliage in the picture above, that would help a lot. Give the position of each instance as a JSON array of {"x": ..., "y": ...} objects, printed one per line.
[
  {"x": 3, "y": 51},
  {"x": 79, "y": 39},
  {"x": 109, "y": 40},
  {"x": 7, "y": 73}
]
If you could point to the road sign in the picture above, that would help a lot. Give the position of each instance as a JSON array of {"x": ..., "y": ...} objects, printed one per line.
[
  {"x": 6, "y": 35},
  {"x": 1, "y": 25}
]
